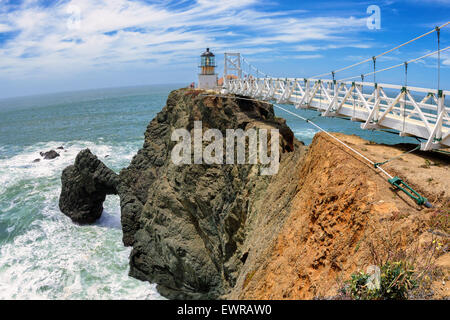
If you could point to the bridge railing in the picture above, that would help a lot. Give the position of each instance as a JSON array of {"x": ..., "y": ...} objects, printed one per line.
[{"x": 413, "y": 111}]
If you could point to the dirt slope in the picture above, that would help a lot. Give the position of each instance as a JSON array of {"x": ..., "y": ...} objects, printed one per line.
[
  {"x": 224, "y": 231},
  {"x": 344, "y": 217}
]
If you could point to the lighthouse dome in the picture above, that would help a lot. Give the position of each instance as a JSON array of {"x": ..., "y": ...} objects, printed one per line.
[{"x": 207, "y": 53}]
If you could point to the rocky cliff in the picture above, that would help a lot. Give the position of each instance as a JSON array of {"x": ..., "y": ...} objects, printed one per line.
[
  {"x": 186, "y": 223},
  {"x": 225, "y": 231},
  {"x": 345, "y": 216}
]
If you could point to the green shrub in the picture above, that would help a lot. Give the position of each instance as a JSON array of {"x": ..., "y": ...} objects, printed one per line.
[
  {"x": 396, "y": 280},
  {"x": 356, "y": 287}
]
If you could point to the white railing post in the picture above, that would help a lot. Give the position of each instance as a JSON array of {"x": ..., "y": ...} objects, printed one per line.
[
  {"x": 376, "y": 103},
  {"x": 335, "y": 95},
  {"x": 378, "y": 110},
  {"x": 307, "y": 89},
  {"x": 440, "y": 110},
  {"x": 225, "y": 71},
  {"x": 403, "y": 109}
]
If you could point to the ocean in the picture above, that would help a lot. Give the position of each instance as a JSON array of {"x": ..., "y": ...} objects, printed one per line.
[{"x": 43, "y": 255}]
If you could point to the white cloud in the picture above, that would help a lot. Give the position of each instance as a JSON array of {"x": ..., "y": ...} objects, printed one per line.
[
  {"x": 307, "y": 56},
  {"x": 431, "y": 61},
  {"x": 5, "y": 28},
  {"x": 308, "y": 47},
  {"x": 445, "y": 56},
  {"x": 117, "y": 32}
]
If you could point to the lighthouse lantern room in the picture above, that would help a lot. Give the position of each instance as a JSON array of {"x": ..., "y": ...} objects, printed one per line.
[{"x": 207, "y": 78}]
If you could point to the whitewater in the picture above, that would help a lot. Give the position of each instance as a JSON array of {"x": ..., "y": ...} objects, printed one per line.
[{"x": 43, "y": 255}]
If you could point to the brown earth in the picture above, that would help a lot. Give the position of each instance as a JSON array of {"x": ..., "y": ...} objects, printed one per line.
[
  {"x": 345, "y": 216},
  {"x": 225, "y": 231}
]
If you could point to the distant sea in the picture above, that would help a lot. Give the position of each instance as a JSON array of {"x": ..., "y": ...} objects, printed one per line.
[{"x": 43, "y": 255}]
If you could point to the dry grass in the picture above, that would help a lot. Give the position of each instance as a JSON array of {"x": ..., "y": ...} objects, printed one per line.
[{"x": 410, "y": 268}]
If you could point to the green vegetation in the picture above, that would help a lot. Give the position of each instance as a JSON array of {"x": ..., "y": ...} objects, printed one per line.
[
  {"x": 248, "y": 278},
  {"x": 396, "y": 280},
  {"x": 427, "y": 164},
  {"x": 440, "y": 220},
  {"x": 396, "y": 272}
]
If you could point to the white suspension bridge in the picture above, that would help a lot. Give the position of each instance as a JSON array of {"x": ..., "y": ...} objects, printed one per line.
[{"x": 410, "y": 111}]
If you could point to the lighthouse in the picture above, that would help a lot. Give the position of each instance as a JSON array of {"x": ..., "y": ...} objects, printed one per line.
[{"x": 207, "y": 78}]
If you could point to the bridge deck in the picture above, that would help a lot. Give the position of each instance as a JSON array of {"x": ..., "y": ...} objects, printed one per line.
[{"x": 411, "y": 111}]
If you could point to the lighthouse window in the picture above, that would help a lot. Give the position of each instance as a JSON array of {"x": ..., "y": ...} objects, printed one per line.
[{"x": 207, "y": 61}]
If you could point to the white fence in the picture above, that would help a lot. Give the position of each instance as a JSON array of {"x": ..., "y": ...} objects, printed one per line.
[{"x": 411, "y": 111}]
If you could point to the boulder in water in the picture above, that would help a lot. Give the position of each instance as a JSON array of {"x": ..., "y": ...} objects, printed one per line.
[
  {"x": 52, "y": 154},
  {"x": 85, "y": 185}
]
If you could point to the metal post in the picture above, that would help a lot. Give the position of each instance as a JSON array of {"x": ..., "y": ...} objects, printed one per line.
[
  {"x": 376, "y": 104},
  {"x": 440, "y": 110},
  {"x": 431, "y": 127},
  {"x": 307, "y": 91},
  {"x": 225, "y": 70},
  {"x": 403, "y": 109},
  {"x": 232, "y": 64},
  {"x": 441, "y": 99},
  {"x": 335, "y": 98}
]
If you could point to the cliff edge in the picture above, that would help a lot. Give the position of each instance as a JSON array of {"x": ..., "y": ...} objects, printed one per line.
[
  {"x": 210, "y": 231},
  {"x": 345, "y": 216}
]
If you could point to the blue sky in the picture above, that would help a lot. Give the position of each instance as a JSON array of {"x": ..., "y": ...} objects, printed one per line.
[{"x": 51, "y": 46}]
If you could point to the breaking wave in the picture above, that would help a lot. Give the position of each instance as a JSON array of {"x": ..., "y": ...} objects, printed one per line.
[{"x": 43, "y": 255}]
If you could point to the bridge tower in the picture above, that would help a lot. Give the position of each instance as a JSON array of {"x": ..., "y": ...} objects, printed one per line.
[
  {"x": 207, "y": 78},
  {"x": 232, "y": 66}
]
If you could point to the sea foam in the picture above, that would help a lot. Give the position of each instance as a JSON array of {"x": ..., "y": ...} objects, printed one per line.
[{"x": 43, "y": 255}]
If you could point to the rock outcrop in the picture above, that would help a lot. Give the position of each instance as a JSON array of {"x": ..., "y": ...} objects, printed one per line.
[
  {"x": 186, "y": 223},
  {"x": 48, "y": 155},
  {"x": 208, "y": 231},
  {"x": 84, "y": 188}
]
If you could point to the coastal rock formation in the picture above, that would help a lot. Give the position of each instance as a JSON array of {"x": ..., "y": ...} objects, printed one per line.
[
  {"x": 84, "y": 188},
  {"x": 205, "y": 231},
  {"x": 48, "y": 155},
  {"x": 186, "y": 223}
]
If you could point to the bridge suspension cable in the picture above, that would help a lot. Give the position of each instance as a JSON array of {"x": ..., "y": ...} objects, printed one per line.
[
  {"x": 384, "y": 53},
  {"x": 254, "y": 68},
  {"x": 405, "y": 111},
  {"x": 395, "y": 181},
  {"x": 398, "y": 65}
]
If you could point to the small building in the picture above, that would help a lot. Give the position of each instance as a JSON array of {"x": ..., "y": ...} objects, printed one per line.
[
  {"x": 229, "y": 77},
  {"x": 207, "y": 78}
]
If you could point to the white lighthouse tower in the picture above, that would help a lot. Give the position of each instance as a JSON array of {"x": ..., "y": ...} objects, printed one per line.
[{"x": 207, "y": 78}]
